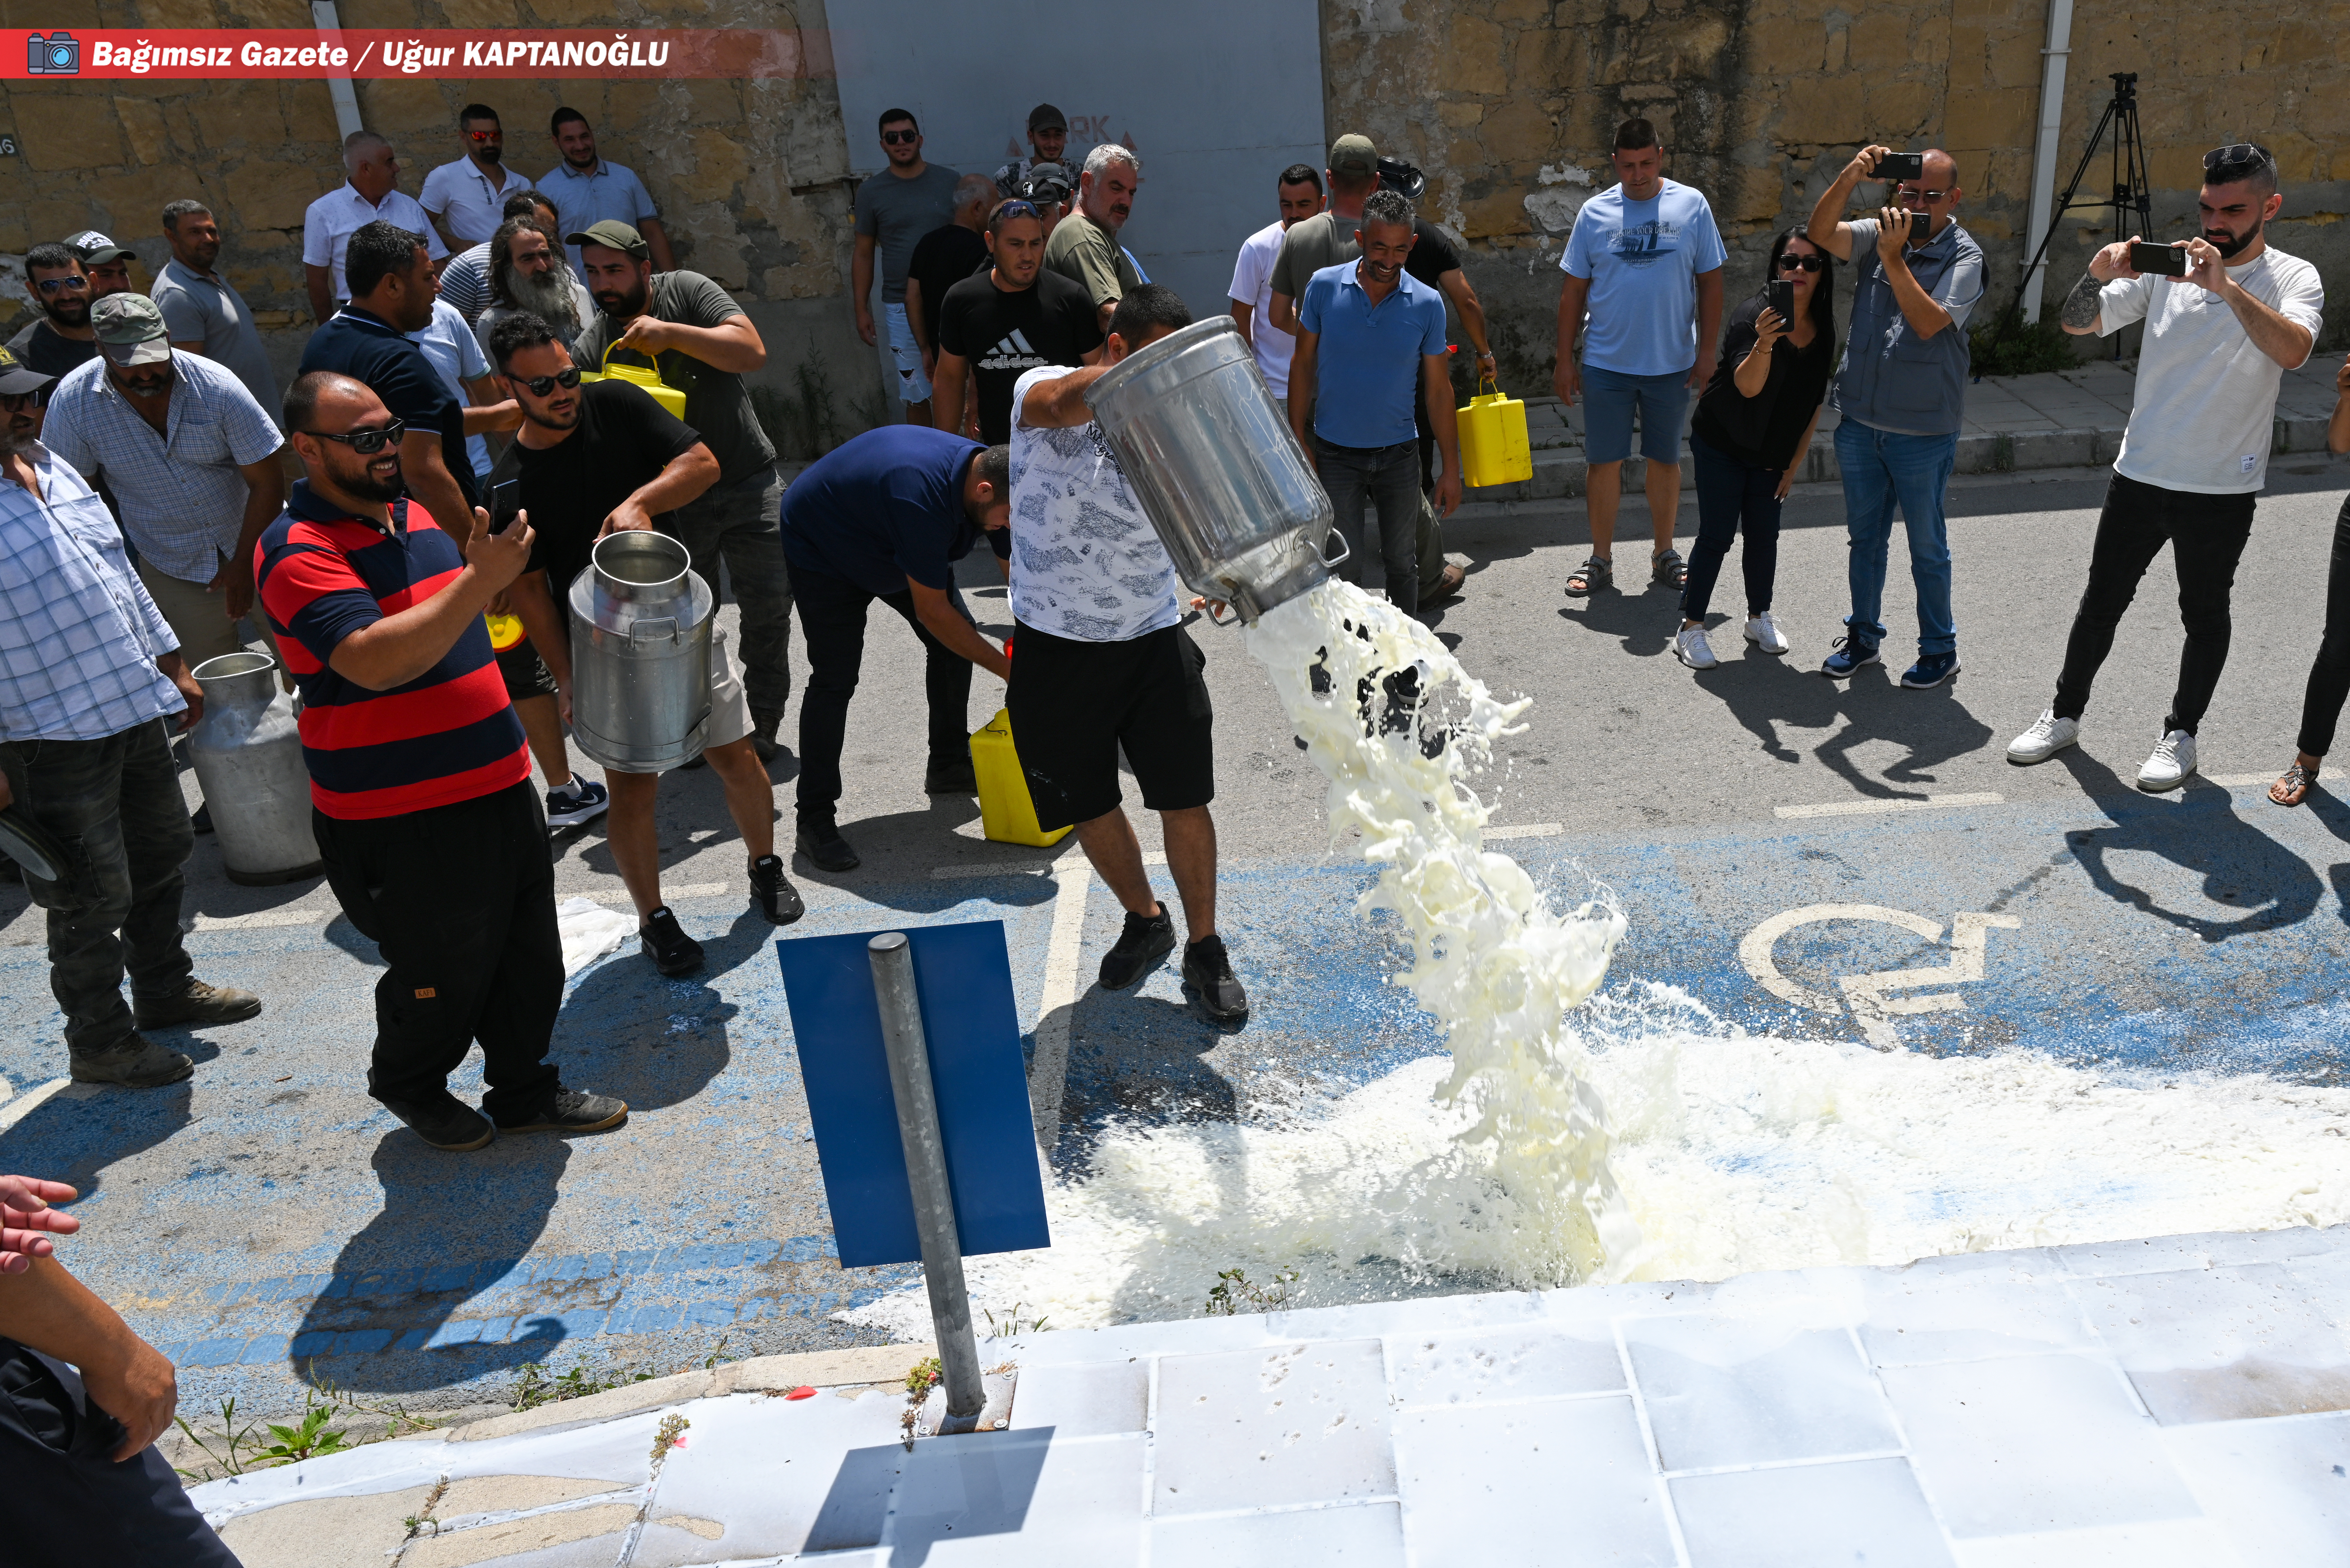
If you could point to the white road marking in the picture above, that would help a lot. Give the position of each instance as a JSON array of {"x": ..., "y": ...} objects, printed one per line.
[
  {"x": 1527, "y": 830},
  {"x": 1049, "y": 1069},
  {"x": 261, "y": 918},
  {"x": 1866, "y": 807},
  {"x": 1866, "y": 992},
  {"x": 31, "y": 1100},
  {"x": 1025, "y": 867}
]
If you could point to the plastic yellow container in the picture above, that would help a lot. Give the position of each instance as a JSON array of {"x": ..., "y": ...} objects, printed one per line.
[
  {"x": 648, "y": 377},
  {"x": 1006, "y": 813},
  {"x": 1494, "y": 448},
  {"x": 506, "y": 630}
]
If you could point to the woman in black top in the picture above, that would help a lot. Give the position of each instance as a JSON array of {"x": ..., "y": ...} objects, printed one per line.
[{"x": 1752, "y": 427}]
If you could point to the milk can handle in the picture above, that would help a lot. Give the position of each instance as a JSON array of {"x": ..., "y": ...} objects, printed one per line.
[
  {"x": 1344, "y": 552},
  {"x": 640, "y": 631}
]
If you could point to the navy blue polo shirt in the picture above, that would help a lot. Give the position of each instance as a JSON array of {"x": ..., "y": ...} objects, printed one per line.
[
  {"x": 1367, "y": 356},
  {"x": 883, "y": 507},
  {"x": 371, "y": 350}
]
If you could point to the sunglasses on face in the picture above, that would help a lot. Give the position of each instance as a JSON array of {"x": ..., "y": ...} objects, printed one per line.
[
  {"x": 1799, "y": 264},
  {"x": 485, "y": 136},
  {"x": 64, "y": 284},
  {"x": 366, "y": 442},
  {"x": 1929, "y": 197},
  {"x": 17, "y": 402},
  {"x": 900, "y": 138},
  {"x": 544, "y": 386}
]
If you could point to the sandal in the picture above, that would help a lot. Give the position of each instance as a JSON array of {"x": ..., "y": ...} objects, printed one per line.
[
  {"x": 1590, "y": 577},
  {"x": 1669, "y": 568},
  {"x": 2296, "y": 782}
]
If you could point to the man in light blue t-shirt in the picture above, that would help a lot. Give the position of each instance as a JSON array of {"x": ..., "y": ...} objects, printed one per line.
[{"x": 1645, "y": 259}]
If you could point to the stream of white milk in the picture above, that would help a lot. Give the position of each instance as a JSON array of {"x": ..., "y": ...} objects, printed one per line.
[{"x": 1570, "y": 1138}]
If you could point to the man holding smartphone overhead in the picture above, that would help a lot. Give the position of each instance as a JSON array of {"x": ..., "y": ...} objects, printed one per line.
[
  {"x": 2224, "y": 321},
  {"x": 1901, "y": 391}
]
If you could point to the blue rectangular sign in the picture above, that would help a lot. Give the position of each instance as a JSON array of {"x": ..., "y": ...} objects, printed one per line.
[{"x": 962, "y": 974}]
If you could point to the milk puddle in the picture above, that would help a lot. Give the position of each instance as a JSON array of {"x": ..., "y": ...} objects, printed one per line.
[{"x": 1633, "y": 1136}]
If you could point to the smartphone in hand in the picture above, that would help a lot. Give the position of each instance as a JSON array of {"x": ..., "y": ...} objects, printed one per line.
[
  {"x": 1901, "y": 166},
  {"x": 1780, "y": 295},
  {"x": 2166, "y": 261},
  {"x": 505, "y": 505},
  {"x": 1921, "y": 226}
]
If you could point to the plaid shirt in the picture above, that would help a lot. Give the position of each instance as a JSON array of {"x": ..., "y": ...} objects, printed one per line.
[
  {"x": 79, "y": 636},
  {"x": 181, "y": 497}
]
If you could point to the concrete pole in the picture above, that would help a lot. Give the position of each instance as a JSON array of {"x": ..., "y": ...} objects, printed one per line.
[
  {"x": 2043, "y": 148},
  {"x": 926, "y": 1170},
  {"x": 347, "y": 98}
]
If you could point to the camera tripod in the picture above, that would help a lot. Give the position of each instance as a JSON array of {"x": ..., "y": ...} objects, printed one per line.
[{"x": 2132, "y": 191}]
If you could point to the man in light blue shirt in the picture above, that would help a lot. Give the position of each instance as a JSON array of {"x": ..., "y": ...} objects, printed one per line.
[
  {"x": 585, "y": 190},
  {"x": 1645, "y": 260},
  {"x": 1370, "y": 340}
]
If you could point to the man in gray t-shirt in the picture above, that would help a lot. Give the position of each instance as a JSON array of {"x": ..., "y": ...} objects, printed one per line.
[
  {"x": 894, "y": 210},
  {"x": 202, "y": 311}
]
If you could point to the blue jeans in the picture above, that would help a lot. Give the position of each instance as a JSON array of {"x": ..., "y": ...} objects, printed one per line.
[
  {"x": 1882, "y": 469},
  {"x": 1387, "y": 480}
]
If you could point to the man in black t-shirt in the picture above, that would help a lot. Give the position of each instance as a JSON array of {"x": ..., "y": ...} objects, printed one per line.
[
  {"x": 60, "y": 338},
  {"x": 944, "y": 257},
  {"x": 998, "y": 326},
  {"x": 595, "y": 460}
]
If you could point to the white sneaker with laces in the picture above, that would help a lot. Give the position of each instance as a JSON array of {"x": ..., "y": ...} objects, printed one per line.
[
  {"x": 1693, "y": 649},
  {"x": 1765, "y": 633},
  {"x": 2173, "y": 760},
  {"x": 2048, "y": 735}
]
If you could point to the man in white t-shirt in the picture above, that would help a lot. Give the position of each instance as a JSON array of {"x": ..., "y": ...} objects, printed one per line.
[
  {"x": 1299, "y": 190},
  {"x": 1100, "y": 661},
  {"x": 2218, "y": 343}
]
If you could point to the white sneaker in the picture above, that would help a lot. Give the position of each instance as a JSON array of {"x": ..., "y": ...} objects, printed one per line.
[
  {"x": 1765, "y": 633},
  {"x": 2173, "y": 759},
  {"x": 2048, "y": 735},
  {"x": 1693, "y": 649}
]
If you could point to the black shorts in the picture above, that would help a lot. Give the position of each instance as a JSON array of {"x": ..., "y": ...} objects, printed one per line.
[
  {"x": 1074, "y": 704},
  {"x": 526, "y": 672}
]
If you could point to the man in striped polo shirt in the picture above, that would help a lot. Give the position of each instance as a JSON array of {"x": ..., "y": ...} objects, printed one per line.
[{"x": 434, "y": 841}]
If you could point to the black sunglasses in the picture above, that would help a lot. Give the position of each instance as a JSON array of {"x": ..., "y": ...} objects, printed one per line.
[
  {"x": 1794, "y": 262},
  {"x": 367, "y": 443},
  {"x": 541, "y": 386},
  {"x": 2244, "y": 158},
  {"x": 899, "y": 138},
  {"x": 17, "y": 402},
  {"x": 67, "y": 285},
  {"x": 1018, "y": 208}
]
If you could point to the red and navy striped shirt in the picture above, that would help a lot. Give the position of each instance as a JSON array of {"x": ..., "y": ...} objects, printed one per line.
[{"x": 449, "y": 735}]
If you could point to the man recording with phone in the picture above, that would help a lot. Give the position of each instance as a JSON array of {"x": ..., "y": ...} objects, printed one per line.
[
  {"x": 2226, "y": 315},
  {"x": 1901, "y": 391}
]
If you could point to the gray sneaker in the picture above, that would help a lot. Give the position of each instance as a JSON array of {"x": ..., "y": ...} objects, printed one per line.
[
  {"x": 134, "y": 1062},
  {"x": 570, "y": 1111}
]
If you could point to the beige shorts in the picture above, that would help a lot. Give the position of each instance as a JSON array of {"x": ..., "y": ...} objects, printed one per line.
[
  {"x": 199, "y": 619},
  {"x": 729, "y": 714}
]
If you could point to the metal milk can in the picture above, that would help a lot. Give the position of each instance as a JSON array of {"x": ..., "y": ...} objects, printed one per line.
[
  {"x": 247, "y": 750},
  {"x": 1211, "y": 456},
  {"x": 640, "y": 654}
]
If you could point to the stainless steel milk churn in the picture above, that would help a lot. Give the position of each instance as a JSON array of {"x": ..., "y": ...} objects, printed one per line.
[
  {"x": 640, "y": 654},
  {"x": 1211, "y": 456},
  {"x": 248, "y": 755}
]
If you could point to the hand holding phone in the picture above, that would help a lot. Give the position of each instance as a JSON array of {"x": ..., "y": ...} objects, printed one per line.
[
  {"x": 1921, "y": 227},
  {"x": 1779, "y": 293},
  {"x": 2164, "y": 261},
  {"x": 1901, "y": 166},
  {"x": 505, "y": 505}
]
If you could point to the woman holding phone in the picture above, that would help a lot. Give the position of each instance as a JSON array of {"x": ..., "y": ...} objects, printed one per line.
[
  {"x": 2329, "y": 677},
  {"x": 1752, "y": 427}
]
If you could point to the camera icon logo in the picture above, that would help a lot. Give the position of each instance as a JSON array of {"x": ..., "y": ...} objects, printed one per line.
[{"x": 58, "y": 54}]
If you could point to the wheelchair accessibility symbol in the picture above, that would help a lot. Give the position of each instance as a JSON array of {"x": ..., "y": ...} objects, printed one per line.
[{"x": 1867, "y": 994}]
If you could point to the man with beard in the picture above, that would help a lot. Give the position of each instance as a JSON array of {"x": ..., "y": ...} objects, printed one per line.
[
  {"x": 529, "y": 278},
  {"x": 599, "y": 458},
  {"x": 420, "y": 788},
  {"x": 59, "y": 339},
  {"x": 108, "y": 263},
  {"x": 91, "y": 676},
  {"x": 997, "y": 327},
  {"x": 466, "y": 199},
  {"x": 1299, "y": 192},
  {"x": 204, "y": 310},
  {"x": 1085, "y": 246},
  {"x": 586, "y": 190},
  {"x": 705, "y": 345},
  {"x": 2218, "y": 343},
  {"x": 1048, "y": 137},
  {"x": 466, "y": 277}
]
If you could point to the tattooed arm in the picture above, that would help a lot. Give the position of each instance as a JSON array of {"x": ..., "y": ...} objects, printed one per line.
[{"x": 2079, "y": 314}]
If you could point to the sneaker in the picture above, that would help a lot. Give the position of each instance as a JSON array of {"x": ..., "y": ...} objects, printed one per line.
[
  {"x": 2048, "y": 735},
  {"x": 950, "y": 775},
  {"x": 661, "y": 939},
  {"x": 1208, "y": 970},
  {"x": 1691, "y": 649},
  {"x": 763, "y": 726},
  {"x": 1146, "y": 939},
  {"x": 1930, "y": 670},
  {"x": 1849, "y": 654},
  {"x": 826, "y": 850},
  {"x": 1765, "y": 633},
  {"x": 581, "y": 800},
  {"x": 134, "y": 1062},
  {"x": 2173, "y": 760},
  {"x": 571, "y": 1111},
  {"x": 446, "y": 1123},
  {"x": 198, "y": 1004},
  {"x": 771, "y": 893}
]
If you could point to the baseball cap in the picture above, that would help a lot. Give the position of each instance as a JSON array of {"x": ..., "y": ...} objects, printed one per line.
[
  {"x": 1045, "y": 117},
  {"x": 1042, "y": 177},
  {"x": 1354, "y": 154},
  {"x": 17, "y": 377},
  {"x": 95, "y": 248},
  {"x": 1402, "y": 178},
  {"x": 612, "y": 234},
  {"x": 130, "y": 330}
]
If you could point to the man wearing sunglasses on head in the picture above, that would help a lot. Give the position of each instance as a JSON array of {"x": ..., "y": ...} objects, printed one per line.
[
  {"x": 435, "y": 843},
  {"x": 996, "y": 325}
]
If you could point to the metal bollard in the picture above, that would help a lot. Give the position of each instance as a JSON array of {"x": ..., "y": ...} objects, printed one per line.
[{"x": 926, "y": 1170}]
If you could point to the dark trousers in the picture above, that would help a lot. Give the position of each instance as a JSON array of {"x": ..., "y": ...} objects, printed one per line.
[
  {"x": 1731, "y": 495},
  {"x": 76, "y": 1507},
  {"x": 115, "y": 807},
  {"x": 737, "y": 524},
  {"x": 461, "y": 899},
  {"x": 2329, "y": 677},
  {"x": 832, "y": 618},
  {"x": 2206, "y": 534},
  {"x": 1387, "y": 480}
]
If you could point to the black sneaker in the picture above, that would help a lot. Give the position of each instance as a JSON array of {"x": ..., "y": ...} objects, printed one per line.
[
  {"x": 660, "y": 938},
  {"x": 826, "y": 850},
  {"x": 134, "y": 1062},
  {"x": 1146, "y": 939},
  {"x": 772, "y": 892},
  {"x": 950, "y": 775},
  {"x": 446, "y": 1123},
  {"x": 571, "y": 1111},
  {"x": 1208, "y": 970},
  {"x": 195, "y": 1005}
]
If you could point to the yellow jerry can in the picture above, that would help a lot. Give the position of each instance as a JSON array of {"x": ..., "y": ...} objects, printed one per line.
[
  {"x": 1006, "y": 813},
  {"x": 1493, "y": 439},
  {"x": 506, "y": 631},
  {"x": 648, "y": 377}
]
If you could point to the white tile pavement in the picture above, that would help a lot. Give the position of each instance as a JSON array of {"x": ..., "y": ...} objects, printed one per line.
[{"x": 2176, "y": 1400}]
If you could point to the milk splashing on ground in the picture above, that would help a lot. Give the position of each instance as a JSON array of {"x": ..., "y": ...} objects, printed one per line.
[{"x": 1635, "y": 1136}]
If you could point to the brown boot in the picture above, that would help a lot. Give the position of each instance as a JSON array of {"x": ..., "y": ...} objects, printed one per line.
[
  {"x": 133, "y": 1062},
  {"x": 198, "y": 1004}
]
